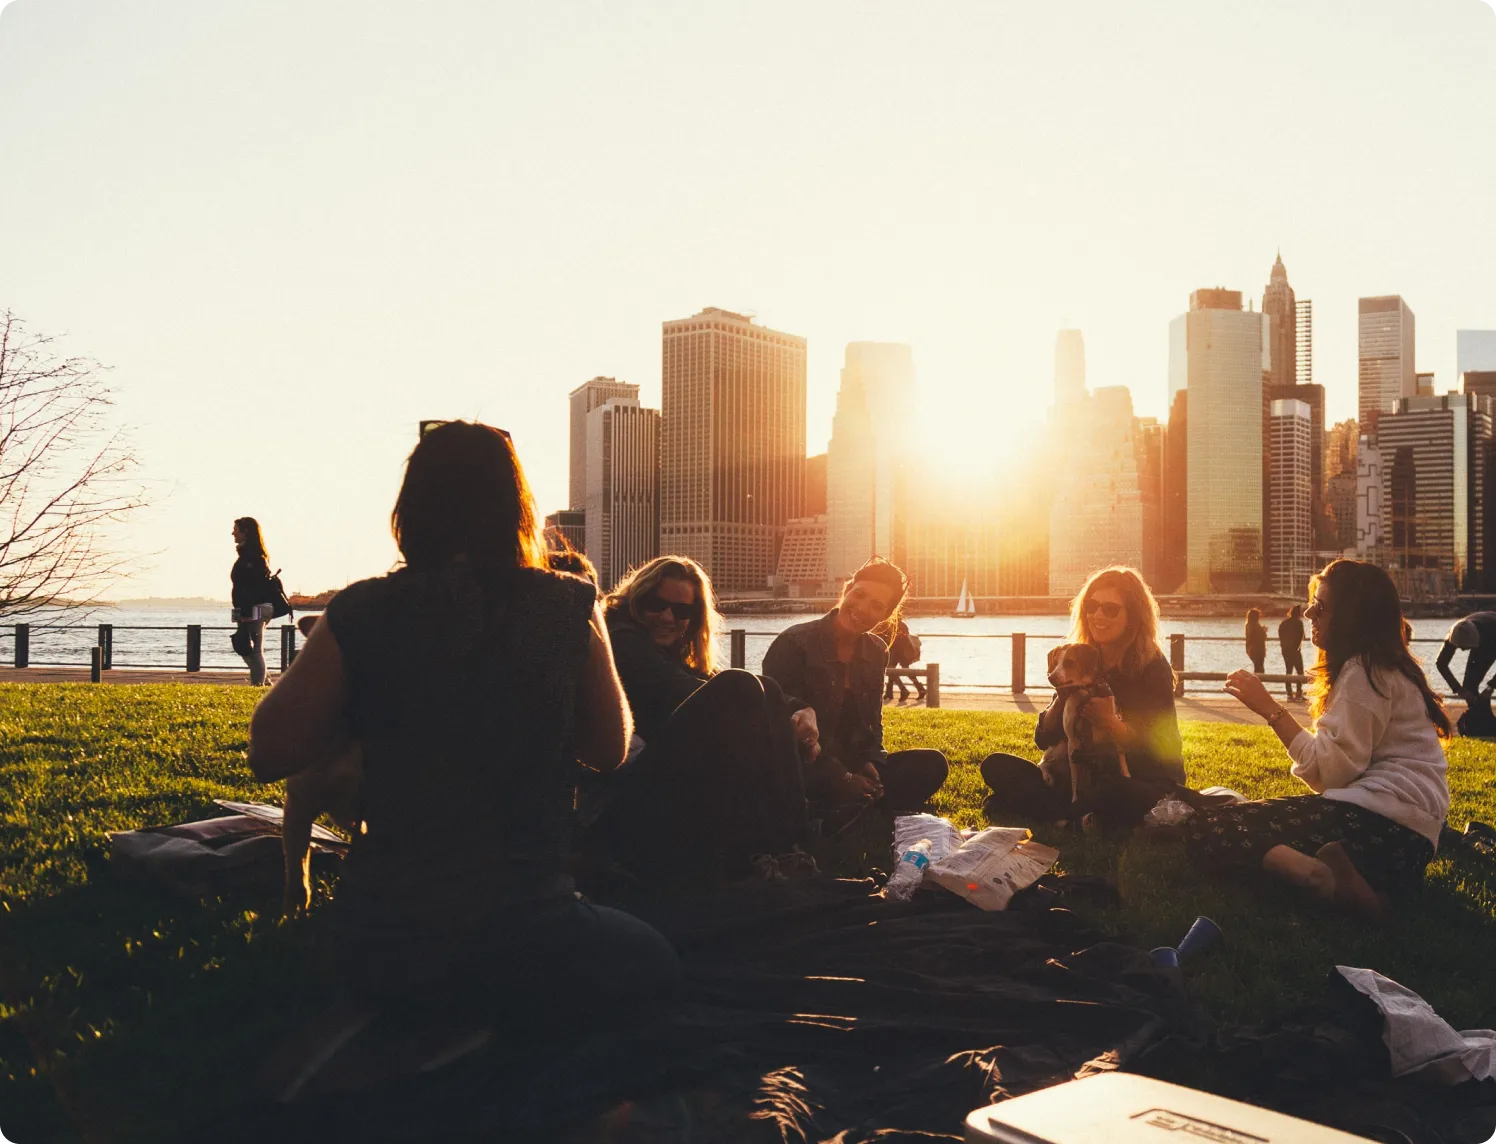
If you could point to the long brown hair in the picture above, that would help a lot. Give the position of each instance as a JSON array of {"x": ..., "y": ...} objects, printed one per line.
[
  {"x": 465, "y": 494},
  {"x": 1365, "y": 623},
  {"x": 698, "y": 650},
  {"x": 253, "y": 543},
  {"x": 1142, "y": 616},
  {"x": 890, "y": 575}
]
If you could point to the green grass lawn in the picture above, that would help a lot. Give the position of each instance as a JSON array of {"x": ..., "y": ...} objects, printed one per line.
[{"x": 125, "y": 1011}]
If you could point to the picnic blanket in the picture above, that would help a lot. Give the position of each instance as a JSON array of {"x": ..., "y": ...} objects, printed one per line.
[{"x": 809, "y": 1010}]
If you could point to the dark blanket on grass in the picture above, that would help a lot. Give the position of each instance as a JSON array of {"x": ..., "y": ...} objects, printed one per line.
[{"x": 810, "y": 1011}]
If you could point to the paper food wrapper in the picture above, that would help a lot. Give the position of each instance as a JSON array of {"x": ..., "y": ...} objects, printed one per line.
[{"x": 990, "y": 867}]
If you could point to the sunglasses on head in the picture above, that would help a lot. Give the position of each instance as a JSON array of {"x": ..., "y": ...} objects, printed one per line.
[
  {"x": 1109, "y": 610},
  {"x": 656, "y": 604},
  {"x": 428, "y": 426}
]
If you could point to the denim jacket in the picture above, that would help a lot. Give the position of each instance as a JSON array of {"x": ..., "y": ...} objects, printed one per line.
[{"x": 803, "y": 661}]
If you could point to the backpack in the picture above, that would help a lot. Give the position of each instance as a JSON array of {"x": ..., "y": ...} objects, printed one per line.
[{"x": 279, "y": 605}]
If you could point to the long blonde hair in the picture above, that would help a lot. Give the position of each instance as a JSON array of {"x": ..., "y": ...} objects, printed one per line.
[
  {"x": 698, "y": 650},
  {"x": 1142, "y": 616}
]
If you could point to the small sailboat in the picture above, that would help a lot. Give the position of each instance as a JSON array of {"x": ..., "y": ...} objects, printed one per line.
[{"x": 966, "y": 606}]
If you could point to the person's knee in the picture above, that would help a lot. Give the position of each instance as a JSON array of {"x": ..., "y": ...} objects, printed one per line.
[
  {"x": 1001, "y": 766},
  {"x": 930, "y": 766},
  {"x": 735, "y": 683}
]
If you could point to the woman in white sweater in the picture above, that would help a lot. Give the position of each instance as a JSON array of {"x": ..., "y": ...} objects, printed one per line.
[{"x": 1373, "y": 757}]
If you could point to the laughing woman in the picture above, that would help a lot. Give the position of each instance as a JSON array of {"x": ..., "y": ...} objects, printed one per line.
[
  {"x": 835, "y": 665},
  {"x": 1373, "y": 758}
]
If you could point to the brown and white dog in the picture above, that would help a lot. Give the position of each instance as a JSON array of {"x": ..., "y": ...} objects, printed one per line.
[
  {"x": 331, "y": 787},
  {"x": 1075, "y": 672}
]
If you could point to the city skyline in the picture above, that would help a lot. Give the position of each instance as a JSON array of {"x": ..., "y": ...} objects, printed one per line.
[{"x": 280, "y": 302}]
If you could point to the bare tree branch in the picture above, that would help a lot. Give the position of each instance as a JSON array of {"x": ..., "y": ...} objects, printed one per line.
[{"x": 67, "y": 477}]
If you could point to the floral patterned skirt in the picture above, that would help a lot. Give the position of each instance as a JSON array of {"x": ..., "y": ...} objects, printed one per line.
[{"x": 1234, "y": 838}]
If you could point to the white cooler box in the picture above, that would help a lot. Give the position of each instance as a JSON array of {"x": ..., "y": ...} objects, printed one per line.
[{"x": 1119, "y": 1108}]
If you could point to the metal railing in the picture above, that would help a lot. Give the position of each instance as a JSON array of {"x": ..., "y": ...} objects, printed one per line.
[{"x": 102, "y": 657}]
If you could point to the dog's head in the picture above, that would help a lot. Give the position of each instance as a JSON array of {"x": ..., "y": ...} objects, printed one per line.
[{"x": 1074, "y": 665}]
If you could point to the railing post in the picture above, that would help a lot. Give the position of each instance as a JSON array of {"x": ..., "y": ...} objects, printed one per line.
[
  {"x": 288, "y": 644},
  {"x": 932, "y": 685},
  {"x": 1176, "y": 661},
  {"x": 106, "y": 643},
  {"x": 737, "y": 647},
  {"x": 95, "y": 663},
  {"x": 23, "y": 645},
  {"x": 1020, "y": 663},
  {"x": 194, "y": 647}
]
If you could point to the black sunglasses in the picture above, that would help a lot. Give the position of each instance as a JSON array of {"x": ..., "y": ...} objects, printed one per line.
[
  {"x": 655, "y": 604},
  {"x": 428, "y": 426},
  {"x": 1106, "y": 608}
]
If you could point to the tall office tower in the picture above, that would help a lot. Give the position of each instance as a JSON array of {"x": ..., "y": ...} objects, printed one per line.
[
  {"x": 1173, "y": 498},
  {"x": 1314, "y": 397},
  {"x": 1304, "y": 347},
  {"x": 815, "y": 485},
  {"x": 953, "y": 536},
  {"x": 732, "y": 444},
  {"x": 1292, "y": 547},
  {"x": 868, "y": 454},
  {"x": 1069, "y": 367},
  {"x": 567, "y": 528},
  {"x": 1340, "y": 483},
  {"x": 1283, "y": 331},
  {"x": 1096, "y": 517},
  {"x": 1474, "y": 350},
  {"x": 1218, "y": 353},
  {"x": 1386, "y": 357},
  {"x": 1148, "y": 450},
  {"x": 1433, "y": 452},
  {"x": 1369, "y": 509},
  {"x": 1423, "y": 385},
  {"x": 584, "y": 399},
  {"x": 623, "y": 488}
]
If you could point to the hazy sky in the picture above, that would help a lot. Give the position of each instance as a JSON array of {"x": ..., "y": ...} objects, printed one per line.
[{"x": 296, "y": 228}]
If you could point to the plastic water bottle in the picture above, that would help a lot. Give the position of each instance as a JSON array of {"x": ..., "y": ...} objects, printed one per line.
[{"x": 909, "y": 872}]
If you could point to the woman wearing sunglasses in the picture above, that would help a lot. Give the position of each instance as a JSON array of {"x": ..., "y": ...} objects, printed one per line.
[
  {"x": 1117, "y": 614},
  {"x": 717, "y": 779}
]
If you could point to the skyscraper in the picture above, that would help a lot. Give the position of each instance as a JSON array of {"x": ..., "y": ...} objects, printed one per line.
[
  {"x": 1304, "y": 367},
  {"x": 1283, "y": 331},
  {"x": 1069, "y": 367},
  {"x": 584, "y": 399},
  {"x": 1386, "y": 369},
  {"x": 1096, "y": 517},
  {"x": 1292, "y": 540},
  {"x": 1369, "y": 509},
  {"x": 1218, "y": 354},
  {"x": 867, "y": 455},
  {"x": 1148, "y": 444},
  {"x": 1340, "y": 482},
  {"x": 732, "y": 444},
  {"x": 623, "y": 487},
  {"x": 1173, "y": 497}
]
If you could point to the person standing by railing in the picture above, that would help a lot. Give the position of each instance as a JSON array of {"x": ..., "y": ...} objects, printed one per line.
[
  {"x": 250, "y": 577},
  {"x": 1256, "y": 634},
  {"x": 1291, "y": 642}
]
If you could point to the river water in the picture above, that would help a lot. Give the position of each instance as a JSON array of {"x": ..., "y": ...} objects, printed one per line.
[{"x": 974, "y": 654}]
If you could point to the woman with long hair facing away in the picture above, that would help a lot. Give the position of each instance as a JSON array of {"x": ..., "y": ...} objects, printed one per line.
[
  {"x": 1115, "y": 613},
  {"x": 250, "y": 577},
  {"x": 1255, "y": 633},
  {"x": 474, "y": 679},
  {"x": 714, "y": 777},
  {"x": 836, "y": 665},
  {"x": 1373, "y": 758}
]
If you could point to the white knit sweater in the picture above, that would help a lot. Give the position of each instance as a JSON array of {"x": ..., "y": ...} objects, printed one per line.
[{"x": 1378, "y": 751}]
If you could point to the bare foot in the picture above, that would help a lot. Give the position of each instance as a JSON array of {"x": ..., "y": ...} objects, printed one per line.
[{"x": 1352, "y": 891}]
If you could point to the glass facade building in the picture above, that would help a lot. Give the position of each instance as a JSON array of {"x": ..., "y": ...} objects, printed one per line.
[{"x": 1385, "y": 343}]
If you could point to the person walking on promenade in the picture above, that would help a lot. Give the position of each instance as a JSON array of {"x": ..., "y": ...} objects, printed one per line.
[
  {"x": 474, "y": 679},
  {"x": 1476, "y": 636},
  {"x": 836, "y": 665},
  {"x": 251, "y": 597},
  {"x": 903, "y": 652},
  {"x": 1116, "y": 613},
  {"x": 1291, "y": 642},
  {"x": 1372, "y": 757},
  {"x": 1256, "y": 633}
]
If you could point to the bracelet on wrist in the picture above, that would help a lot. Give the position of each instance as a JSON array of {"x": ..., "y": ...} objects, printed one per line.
[{"x": 1277, "y": 713}]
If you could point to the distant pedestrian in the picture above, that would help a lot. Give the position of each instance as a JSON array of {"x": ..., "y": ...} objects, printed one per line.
[
  {"x": 251, "y": 597},
  {"x": 1256, "y": 634},
  {"x": 1291, "y": 641},
  {"x": 903, "y": 652}
]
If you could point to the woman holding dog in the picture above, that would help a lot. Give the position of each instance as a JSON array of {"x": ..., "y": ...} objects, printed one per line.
[
  {"x": 836, "y": 665},
  {"x": 250, "y": 577},
  {"x": 1373, "y": 759},
  {"x": 474, "y": 679},
  {"x": 1116, "y": 614},
  {"x": 717, "y": 781}
]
